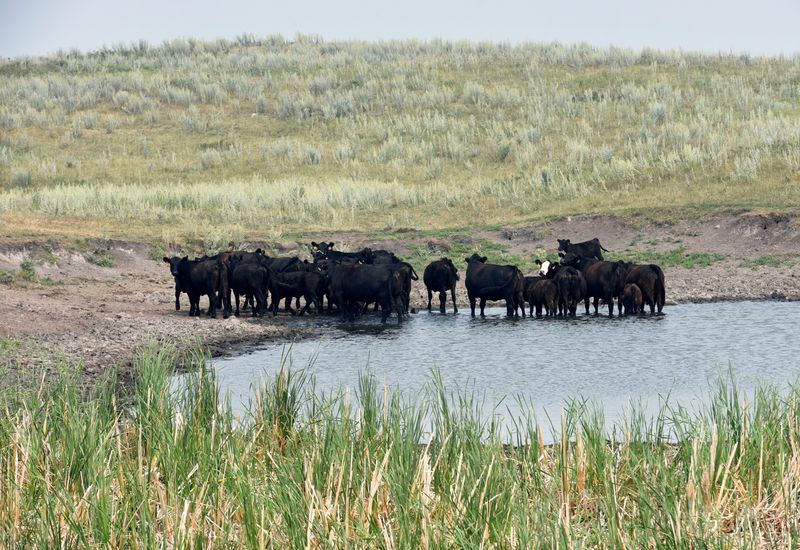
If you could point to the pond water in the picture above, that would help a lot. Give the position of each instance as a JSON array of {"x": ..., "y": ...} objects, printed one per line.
[{"x": 545, "y": 361}]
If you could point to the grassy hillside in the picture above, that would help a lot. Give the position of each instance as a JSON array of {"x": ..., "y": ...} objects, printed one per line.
[{"x": 215, "y": 140}]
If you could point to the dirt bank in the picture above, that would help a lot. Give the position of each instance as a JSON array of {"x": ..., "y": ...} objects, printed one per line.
[{"x": 77, "y": 310}]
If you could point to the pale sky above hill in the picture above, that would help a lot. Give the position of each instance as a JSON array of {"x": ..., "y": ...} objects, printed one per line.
[{"x": 758, "y": 27}]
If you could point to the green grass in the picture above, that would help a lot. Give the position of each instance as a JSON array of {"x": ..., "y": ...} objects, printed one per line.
[
  {"x": 677, "y": 257},
  {"x": 777, "y": 260},
  {"x": 163, "y": 467},
  {"x": 100, "y": 257}
]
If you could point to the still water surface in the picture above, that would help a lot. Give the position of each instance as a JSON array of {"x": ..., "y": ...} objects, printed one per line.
[{"x": 546, "y": 361}]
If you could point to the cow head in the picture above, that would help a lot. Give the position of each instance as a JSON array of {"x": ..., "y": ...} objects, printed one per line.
[
  {"x": 173, "y": 264},
  {"x": 366, "y": 256},
  {"x": 563, "y": 244},
  {"x": 573, "y": 260},
  {"x": 544, "y": 267},
  {"x": 476, "y": 258}
]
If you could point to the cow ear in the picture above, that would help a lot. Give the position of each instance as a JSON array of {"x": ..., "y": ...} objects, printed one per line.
[
  {"x": 314, "y": 245},
  {"x": 166, "y": 260},
  {"x": 186, "y": 258},
  {"x": 466, "y": 260},
  {"x": 330, "y": 245},
  {"x": 483, "y": 259},
  {"x": 259, "y": 251}
]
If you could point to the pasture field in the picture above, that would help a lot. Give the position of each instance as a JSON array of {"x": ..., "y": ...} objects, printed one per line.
[
  {"x": 265, "y": 138},
  {"x": 312, "y": 471}
]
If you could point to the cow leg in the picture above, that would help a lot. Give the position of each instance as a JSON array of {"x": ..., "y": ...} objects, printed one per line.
[
  {"x": 471, "y": 303},
  {"x": 442, "y": 302},
  {"x": 453, "y": 295},
  {"x": 236, "y": 298},
  {"x": 483, "y": 305},
  {"x": 177, "y": 297},
  {"x": 430, "y": 298},
  {"x": 212, "y": 305}
]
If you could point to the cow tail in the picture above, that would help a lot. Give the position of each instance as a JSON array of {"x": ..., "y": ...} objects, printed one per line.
[
  {"x": 661, "y": 291},
  {"x": 604, "y": 249},
  {"x": 414, "y": 276}
]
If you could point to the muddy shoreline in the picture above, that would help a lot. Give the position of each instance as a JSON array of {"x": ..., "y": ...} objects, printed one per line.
[{"x": 74, "y": 311}]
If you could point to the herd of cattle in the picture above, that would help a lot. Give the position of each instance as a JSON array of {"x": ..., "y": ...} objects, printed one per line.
[{"x": 352, "y": 281}]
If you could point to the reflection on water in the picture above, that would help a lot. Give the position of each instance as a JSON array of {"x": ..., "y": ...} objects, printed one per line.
[{"x": 546, "y": 361}]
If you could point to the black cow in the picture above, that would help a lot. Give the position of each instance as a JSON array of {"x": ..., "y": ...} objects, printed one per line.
[
  {"x": 354, "y": 284},
  {"x": 590, "y": 249},
  {"x": 632, "y": 299},
  {"x": 252, "y": 280},
  {"x": 201, "y": 278},
  {"x": 322, "y": 251},
  {"x": 296, "y": 284},
  {"x": 541, "y": 292},
  {"x": 604, "y": 280},
  {"x": 383, "y": 257},
  {"x": 494, "y": 282},
  {"x": 571, "y": 288},
  {"x": 650, "y": 280},
  {"x": 441, "y": 276}
]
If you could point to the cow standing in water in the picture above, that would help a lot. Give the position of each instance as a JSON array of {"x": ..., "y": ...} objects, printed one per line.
[
  {"x": 632, "y": 299},
  {"x": 494, "y": 282},
  {"x": 441, "y": 276},
  {"x": 604, "y": 280}
]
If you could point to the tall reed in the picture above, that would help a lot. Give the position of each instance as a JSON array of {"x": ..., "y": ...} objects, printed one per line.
[{"x": 167, "y": 465}]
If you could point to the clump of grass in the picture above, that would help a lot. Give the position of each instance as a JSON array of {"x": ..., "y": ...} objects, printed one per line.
[
  {"x": 210, "y": 159},
  {"x": 383, "y": 467},
  {"x": 7, "y": 277},
  {"x": 770, "y": 260},
  {"x": 27, "y": 271},
  {"x": 100, "y": 256},
  {"x": 20, "y": 178}
]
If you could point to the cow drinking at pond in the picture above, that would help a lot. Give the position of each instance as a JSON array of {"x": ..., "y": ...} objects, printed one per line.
[
  {"x": 494, "y": 282},
  {"x": 353, "y": 284},
  {"x": 590, "y": 249},
  {"x": 604, "y": 280},
  {"x": 650, "y": 280},
  {"x": 541, "y": 292},
  {"x": 632, "y": 299},
  {"x": 441, "y": 276},
  {"x": 571, "y": 287}
]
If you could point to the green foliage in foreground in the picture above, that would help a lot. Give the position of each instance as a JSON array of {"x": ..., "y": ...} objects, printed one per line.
[{"x": 174, "y": 468}]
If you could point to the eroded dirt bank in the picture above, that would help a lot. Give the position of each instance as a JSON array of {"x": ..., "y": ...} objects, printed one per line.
[{"x": 73, "y": 309}]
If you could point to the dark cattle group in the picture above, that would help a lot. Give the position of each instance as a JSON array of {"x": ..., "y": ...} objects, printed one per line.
[{"x": 352, "y": 281}]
